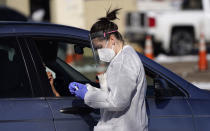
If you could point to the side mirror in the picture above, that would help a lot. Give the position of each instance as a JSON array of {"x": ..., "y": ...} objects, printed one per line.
[
  {"x": 160, "y": 83},
  {"x": 160, "y": 87},
  {"x": 78, "y": 49}
]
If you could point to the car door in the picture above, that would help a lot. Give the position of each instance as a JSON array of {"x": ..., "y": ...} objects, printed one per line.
[
  {"x": 200, "y": 109},
  {"x": 69, "y": 113},
  {"x": 20, "y": 108},
  {"x": 167, "y": 107}
]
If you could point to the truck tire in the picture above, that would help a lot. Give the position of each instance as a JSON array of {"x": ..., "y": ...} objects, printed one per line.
[{"x": 182, "y": 42}]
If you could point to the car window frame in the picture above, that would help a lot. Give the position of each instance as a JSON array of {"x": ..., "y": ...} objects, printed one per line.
[
  {"x": 41, "y": 79},
  {"x": 32, "y": 69}
]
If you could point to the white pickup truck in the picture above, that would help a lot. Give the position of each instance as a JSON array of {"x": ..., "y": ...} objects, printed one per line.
[{"x": 175, "y": 31}]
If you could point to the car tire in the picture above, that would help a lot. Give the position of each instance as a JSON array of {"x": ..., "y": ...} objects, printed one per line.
[{"x": 182, "y": 42}]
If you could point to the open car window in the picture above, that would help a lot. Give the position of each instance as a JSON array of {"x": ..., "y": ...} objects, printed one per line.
[
  {"x": 64, "y": 64},
  {"x": 83, "y": 63},
  {"x": 160, "y": 87}
]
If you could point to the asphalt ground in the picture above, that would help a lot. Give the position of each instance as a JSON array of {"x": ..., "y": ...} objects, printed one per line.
[{"x": 189, "y": 71}]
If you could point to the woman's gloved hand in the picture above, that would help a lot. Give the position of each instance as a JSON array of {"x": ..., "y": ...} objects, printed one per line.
[{"x": 78, "y": 89}]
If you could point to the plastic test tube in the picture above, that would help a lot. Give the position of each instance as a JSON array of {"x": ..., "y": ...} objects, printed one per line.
[{"x": 76, "y": 87}]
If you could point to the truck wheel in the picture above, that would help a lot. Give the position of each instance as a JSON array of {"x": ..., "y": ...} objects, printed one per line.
[{"x": 182, "y": 42}]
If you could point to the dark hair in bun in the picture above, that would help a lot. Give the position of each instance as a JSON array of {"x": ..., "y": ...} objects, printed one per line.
[
  {"x": 110, "y": 16},
  {"x": 105, "y": 25}
]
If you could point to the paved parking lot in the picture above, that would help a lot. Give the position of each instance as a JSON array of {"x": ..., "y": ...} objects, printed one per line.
[
  {"x": 187, "y": 67},
  {"x": 189, "y": 71}
]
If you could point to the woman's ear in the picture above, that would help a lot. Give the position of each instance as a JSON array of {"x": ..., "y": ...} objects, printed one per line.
[{"x": 112, "y": 39}]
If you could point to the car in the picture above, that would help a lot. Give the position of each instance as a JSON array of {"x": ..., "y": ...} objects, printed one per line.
[{"x": 28, "y": 103}]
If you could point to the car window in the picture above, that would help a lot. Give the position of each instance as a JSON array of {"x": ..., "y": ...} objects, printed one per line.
[
  {"x": 192, "y": 4},
  {"x": 160, "y": 89},
  {"x": 14, "y": 81},
  {"x": 51, "y": 49},
  {"x": 82, "y": 63},
  {"x": 65, "y": 65}
]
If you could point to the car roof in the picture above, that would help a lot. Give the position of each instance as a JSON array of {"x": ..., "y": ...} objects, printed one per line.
[{"x": 11, "y": 28}]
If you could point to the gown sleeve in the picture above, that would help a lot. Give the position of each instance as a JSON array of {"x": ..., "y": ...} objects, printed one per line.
[{"x": 122, "y": 83}]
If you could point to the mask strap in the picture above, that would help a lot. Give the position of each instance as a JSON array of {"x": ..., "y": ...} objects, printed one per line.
[{"x": 109, "y": 32}]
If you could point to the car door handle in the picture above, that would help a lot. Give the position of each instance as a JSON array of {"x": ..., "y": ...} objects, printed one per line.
[{"x": 76, "y": 110}]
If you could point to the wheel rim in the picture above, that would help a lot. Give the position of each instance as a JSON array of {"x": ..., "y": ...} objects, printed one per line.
[{"x": 182, "y": 43}]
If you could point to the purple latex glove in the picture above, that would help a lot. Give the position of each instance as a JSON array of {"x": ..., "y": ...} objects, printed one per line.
[{"x": 78, "y": 89}]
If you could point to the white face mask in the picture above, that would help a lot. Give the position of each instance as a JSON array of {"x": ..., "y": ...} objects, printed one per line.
[{"x": 106, "y": 54}]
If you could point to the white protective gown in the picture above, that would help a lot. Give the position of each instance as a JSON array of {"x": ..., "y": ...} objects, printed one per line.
[{"x": 121, "y": 96}]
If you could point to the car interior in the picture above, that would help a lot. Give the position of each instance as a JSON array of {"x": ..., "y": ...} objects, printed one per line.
[{"x": 65, "y": 73}]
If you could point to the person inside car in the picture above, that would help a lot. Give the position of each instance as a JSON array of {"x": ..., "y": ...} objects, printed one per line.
[
  {"x": 51, "y": 80},
  {"x": 51, "y": 77}
]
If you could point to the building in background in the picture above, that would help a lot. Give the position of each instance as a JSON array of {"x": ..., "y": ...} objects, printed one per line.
[
  {"x": 83, "y": 13},
  {"x": 95, "y": 9},
  {"x": 77, "y": 13}
]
